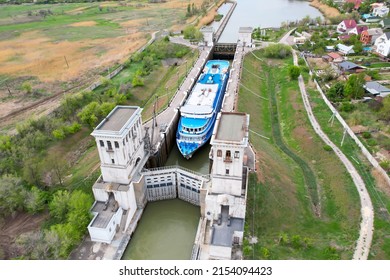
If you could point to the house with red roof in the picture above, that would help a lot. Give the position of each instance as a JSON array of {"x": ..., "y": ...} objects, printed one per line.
[
  {"x": 358, "y": 30},
  {"x": 346, "y": 25}
]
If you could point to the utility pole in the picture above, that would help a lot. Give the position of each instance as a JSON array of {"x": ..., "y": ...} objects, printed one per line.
[{"x": 67, "y": 64}]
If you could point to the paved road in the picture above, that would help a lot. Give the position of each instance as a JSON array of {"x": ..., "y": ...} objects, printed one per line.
[{"x": 363, "y": 244}]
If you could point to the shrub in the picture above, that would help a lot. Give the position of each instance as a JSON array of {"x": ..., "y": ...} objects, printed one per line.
[
  {"x": 327, "y": 148},
  {"x": 366, "y": 135},
  {"x": 346, "y": 107},
  {"x": 277, "y": 51},
  {"x": 294, "y": 72}
]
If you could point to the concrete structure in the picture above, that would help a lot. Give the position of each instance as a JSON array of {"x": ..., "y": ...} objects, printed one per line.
[
  {"x": 245, "y": 36},
  {"x": 225, "y": 199},
  {"x": 208, "y": 36},
  {"x": 119, "y": 139}
]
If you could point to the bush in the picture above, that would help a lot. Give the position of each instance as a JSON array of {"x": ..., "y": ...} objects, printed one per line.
[
  {"x": 327, "y": 148},
  {"x": 277, "y": 51},
  {"x": 294, "y": 72},
  {"x": 385, "y": 164},
  {"x": 137, "y": 81},
  {"x": 346, "y": 107},
  {"x": 366, "y": 135}
]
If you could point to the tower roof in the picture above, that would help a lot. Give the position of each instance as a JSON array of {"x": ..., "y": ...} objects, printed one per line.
[
  {"x": 117, "y": 120},
  {"x": 231, "y": 127}
]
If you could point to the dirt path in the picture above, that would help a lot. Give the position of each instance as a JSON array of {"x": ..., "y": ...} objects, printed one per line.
[
  {"x": 13, "y": 227},
  {"x": 363, "y": 243}
]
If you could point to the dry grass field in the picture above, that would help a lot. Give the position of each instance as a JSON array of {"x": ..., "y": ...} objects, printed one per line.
[{"x": 74, "y": 44}]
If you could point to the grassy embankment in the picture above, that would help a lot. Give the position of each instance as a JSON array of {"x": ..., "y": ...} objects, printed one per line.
[
  {"x": 279, "y": 211},
  {"x": 381, "y": 243}
]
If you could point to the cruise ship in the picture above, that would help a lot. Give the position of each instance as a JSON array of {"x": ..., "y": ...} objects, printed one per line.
[{"x": 199, "y": 112}]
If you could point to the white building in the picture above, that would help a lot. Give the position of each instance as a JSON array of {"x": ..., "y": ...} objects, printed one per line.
[
  {"x": 225, "y": 202},
  {"x": 346, "y": 25},
  {"x": 119, "y": 139},
  {"x": 120, "y": 144},
  {"x": 344, "y": 49},
  {"x": 208, "y": 35},
  {"x": 382, "y": 44},
  {"x": 245, "y": 36},
  {"x": 380, "y": 10}
]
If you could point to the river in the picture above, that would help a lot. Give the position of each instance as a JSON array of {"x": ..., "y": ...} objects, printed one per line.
[{"x": 265, "y": 13}]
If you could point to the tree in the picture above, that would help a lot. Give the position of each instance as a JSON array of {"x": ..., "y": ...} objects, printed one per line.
[
  {"x": 294, "y": 72},
  {"x": 35, "y": 200},
  {"x": 12, "y": 195},
  {"x": 336, "y": 92},
  {"x": 277, "y": 51},
  {"x": 192, "y": 33},
  {"x": 58, "y": 206},
  {"x": 354, "y": 86}
]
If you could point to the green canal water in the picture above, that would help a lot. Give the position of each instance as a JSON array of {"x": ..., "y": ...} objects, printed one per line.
[
  {"x": 167, "y": 228},
  {"x": 166, "y": 232}
]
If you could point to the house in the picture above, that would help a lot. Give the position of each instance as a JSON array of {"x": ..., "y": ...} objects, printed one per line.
[
  {"x": 346, "y": 25},
  {"x": 385, "y": 23},
  {"x": 380, "y": 10},
  {"x": 370, "y": 18},
  {"x": 358, "y": 30},
  {"x": 299, "y": 40},
  {"x": 382, "y": 44},
  {"x": 356, "y": 2},
  {"x": 344, "y": 49},
  {"x": 376, "y": 89},
  {"x": 369, "y": 36},
  {"x": 333, "y": 57},
  {"x": 350, "y": 67}
]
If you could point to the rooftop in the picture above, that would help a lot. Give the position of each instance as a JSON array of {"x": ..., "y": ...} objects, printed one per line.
[
  {"x": 232, "y": 127},
  {"x": 245, "y": 30},
  {"x": 105, "y": 210},
  {"x": 223, "y": 231},
  {"x": 117, "y": 119}
]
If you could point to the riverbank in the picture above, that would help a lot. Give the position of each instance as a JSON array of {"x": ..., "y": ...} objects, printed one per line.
[
  {"x": 209, "y": 17},
  {"x": 327, "y": 11}
]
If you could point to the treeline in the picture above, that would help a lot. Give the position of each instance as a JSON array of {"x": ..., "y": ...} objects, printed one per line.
[{"x": 32, "y": 179}]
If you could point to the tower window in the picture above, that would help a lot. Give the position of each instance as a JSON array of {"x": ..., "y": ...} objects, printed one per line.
[
  {"x": 219, "y": 153},
  {"x": 236, "y": 154},
  {"x": 116, "y": 144},
  {"x": 112, "y": 160},
  {"x": 101, "y": 143},
  {"x": 228, "y": 154},
  {"x": 227, "y": 171},
  {"x": 109, "y": 146}
]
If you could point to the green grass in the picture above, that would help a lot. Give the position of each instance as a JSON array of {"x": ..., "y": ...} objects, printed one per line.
[
  {"x": 279, "y": 204},
  {"x": 381, "y": 202},
  {"x": 379, "y": 65}
]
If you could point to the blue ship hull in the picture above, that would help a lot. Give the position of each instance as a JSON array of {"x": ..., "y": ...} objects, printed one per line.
[{"x": 200, "y": 111}]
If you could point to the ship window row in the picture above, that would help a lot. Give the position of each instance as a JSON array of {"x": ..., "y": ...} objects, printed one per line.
[{"x": 199, "y": 129}]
